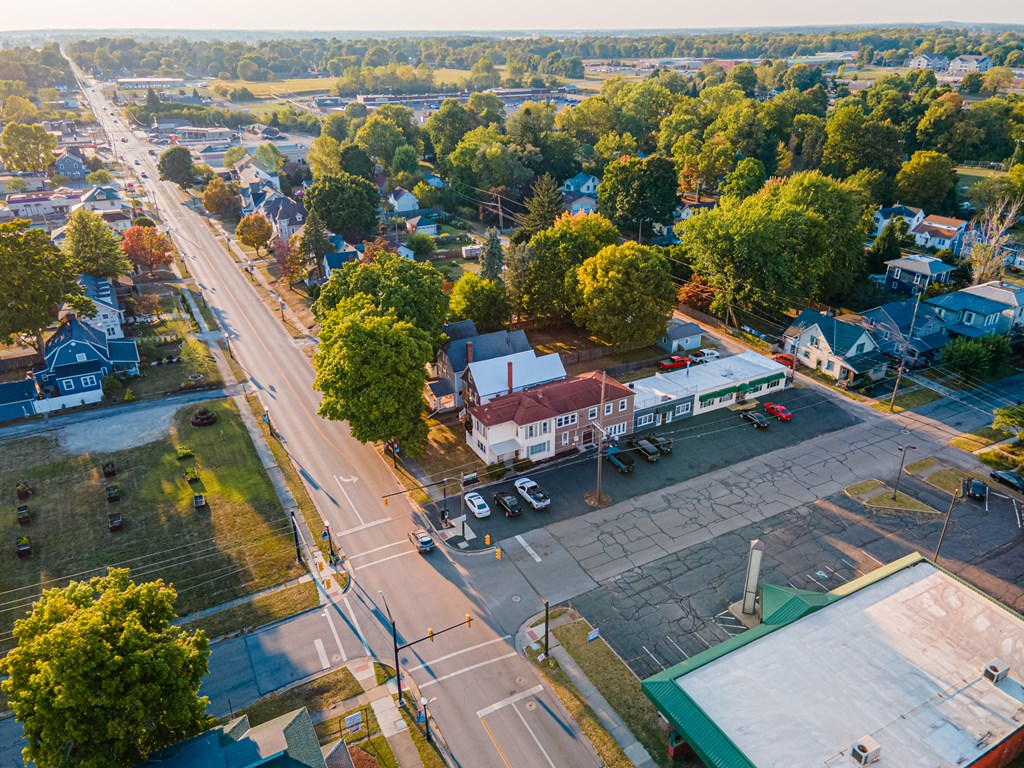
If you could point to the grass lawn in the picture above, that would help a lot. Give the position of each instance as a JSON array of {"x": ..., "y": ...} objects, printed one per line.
[
  {"x": 316, "y": 695},
  {"x": 204, "y": 310},
  {"x": 949, "y": 479},
  {"x": 260, "y": 610},
  {"x": 1008, "y": 457},
  {"x": 444, "y": 76},
  {"x": 378, "y": 748},
  {"x": 968, "y": 176},
  {"x": 921, "y": 466},
  {"x": 863, "y": 487},
  {"x": 331, "y": 729},
  {"x": 618, "y": 685},
  {"x": 885, "y": 499},
  {"x": 978, "y": 439},
  {"x": 909, "y": 400},
  {"x": 429, "y": 754},
  {"x": 296, "y": 86},
  {"x": 446, "y": 455},
  {"x": 240, "y": 543}
]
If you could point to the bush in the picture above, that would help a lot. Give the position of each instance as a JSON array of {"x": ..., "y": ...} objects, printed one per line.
[
  {"x": 128, "y": 396},
  {"x": 113, "y": 389},
  {"x": 496, "y": 471}
]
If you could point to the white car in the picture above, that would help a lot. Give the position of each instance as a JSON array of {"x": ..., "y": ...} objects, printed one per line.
[
  {"x": 705, "y": 355},
  {"x": 475, "y": 503}
]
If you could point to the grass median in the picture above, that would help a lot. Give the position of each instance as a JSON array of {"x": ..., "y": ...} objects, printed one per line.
[{"x": 261, "y": 610}]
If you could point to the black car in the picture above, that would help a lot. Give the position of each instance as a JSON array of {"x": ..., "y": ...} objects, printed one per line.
[
  {"x": 977, "y": 489},
  {"x": 507, "y": 503},
  {"x": 645, "y": 448},
  {"x": 1011, "y": 479},
  {"x": 664, "y": 446},
  {"x": 760, "y": 421}
]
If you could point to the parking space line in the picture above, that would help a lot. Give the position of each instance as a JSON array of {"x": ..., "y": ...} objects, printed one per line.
[
  {"x": 836, "y": 574},
  {"x": 685, "y": 654},
  {"x": 653, "y": 657},
  {"x": 701, "y": 639},
  {"x": 324, "y": 661},
  {"x": 469, "y": 669},
  {"x": 458, "y": 653},
  {"x": 510, "y": 700},
  {"x": 330, "y": 622},
  {"x": 814, "y": 581},
  {"x": 534, "y": 736},
  {"x": 528, "y": 548},
  {"x": 385, "y": 559},
  {"x": 378, "y": 549}
]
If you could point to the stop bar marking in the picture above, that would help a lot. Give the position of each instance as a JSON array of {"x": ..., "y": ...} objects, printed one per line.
[{"x": 528, "y": 548}]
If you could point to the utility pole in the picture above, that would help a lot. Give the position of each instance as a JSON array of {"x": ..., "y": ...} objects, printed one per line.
[
  {"x": 945, "y": 523},
  {"x": 903, "y": 357},
  {"x": 600, "y": 441},
  {"x": 899, "y": 474}
]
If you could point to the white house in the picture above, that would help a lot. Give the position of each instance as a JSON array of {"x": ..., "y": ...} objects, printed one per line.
[
  {"x": 581, "y": 184},
  {"x": 940, "y": 232},
  {"x": 844, "y": 351},
  {"x": 881, "y": 217},
  {"x": 421, "y": 225},
  {"x": 53, "y": 207},
  {"x": 486, "y": 379},
  {"x": 961, "y": 65},
  {"x": 930, "y": 61},
  {"x": 402, "y": 200},
  {"x": 109, "y": 315},
  {"x": 103, "y": 198}
]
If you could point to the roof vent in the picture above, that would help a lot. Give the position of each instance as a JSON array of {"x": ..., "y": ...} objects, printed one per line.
[
  {"x": 631, "y": 386},
  {"x": 866, "y": 751},
  {"x": 996, "y": 670}
]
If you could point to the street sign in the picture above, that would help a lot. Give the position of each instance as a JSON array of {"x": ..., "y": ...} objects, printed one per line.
[
  {"x": 593, "y": 634},
  {"x": 324, "y": 535},
  {"x": 419, "y": 715},
  {"x": 354, "y": 722}
]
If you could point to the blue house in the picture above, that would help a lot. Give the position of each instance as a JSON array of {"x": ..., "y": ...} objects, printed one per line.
[
  {"x": 70, "y": 166},
  {"x": 18, "y": 399},
  {"x": 77, "y": 357},
  {"x": 967, "y": 314},
  {"x": 911, "y": 275}
]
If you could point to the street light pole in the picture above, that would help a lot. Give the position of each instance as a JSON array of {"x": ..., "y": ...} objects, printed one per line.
[
  {"x": 394, "y": 642},
  {"x": 903, "y": 458},
  {"x": 426, "y": 718},
  {"x": 330, "y": 540}
]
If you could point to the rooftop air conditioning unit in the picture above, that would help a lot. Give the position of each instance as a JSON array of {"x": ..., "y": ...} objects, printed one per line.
[
  {"x": 866, "y": 751},
  {"x": 996, "y": 670}
]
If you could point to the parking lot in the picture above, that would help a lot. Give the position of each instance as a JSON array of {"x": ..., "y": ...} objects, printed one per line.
[
  {"x": 664, "y": 612},
  {"x": 701, "y": 444}
]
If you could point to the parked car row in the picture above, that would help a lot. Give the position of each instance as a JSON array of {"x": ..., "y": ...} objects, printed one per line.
[
  {"x": 760, "y": 421},
  {"x": 674, "y": 362},
  {"x": 505, "y": 501},
  {"x": 649, "y": 447}
]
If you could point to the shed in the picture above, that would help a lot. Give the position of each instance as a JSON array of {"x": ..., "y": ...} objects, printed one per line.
[{"x": 680, "y": 337}]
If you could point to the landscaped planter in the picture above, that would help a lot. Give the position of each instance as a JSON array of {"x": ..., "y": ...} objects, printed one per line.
[
  {"x": 184, "y": 452},
  {"x": 113, "y": 494},
  {"x": 24, "y": 547},
  {"x": 198, "y": 501},
  {"x": 23, "y": 491},
  {"x": 109, "y": 469},
  {"x": 204, "y": 417},
  {"x": 23, "y": 516},
  {"x": 115, "y": 522},
  {"x": 192, "y": 474}
]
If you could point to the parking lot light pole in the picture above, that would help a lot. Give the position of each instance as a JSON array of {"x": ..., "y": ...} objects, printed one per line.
[{"x": 903, "y": 458}]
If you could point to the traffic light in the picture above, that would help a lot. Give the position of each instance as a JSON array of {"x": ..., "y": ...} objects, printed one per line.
[
  {"x": 430, "y": 633},
  {"x": 469, "y": 620},
  {"x": 385, "y": 501},
  {"x": 497, "y": 553}
]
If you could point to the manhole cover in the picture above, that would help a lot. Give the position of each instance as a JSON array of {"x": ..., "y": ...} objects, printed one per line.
[
  {"x": 520, "y": 680},
  {"x": 516, "y": 598},
  {"x": 531, "y": 705}
]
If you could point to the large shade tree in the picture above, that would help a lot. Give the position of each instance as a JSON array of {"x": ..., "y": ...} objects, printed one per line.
[
  {"x": 344, "y": 202},
  {"x": 100, "y": 677},
  {"x": 26, "y": 147},
  {"x": 93, "y": 246}
]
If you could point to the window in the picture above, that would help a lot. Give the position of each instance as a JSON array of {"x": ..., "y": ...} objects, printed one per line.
[
  {"x": 565, "y": 438},
  {"x": 607, "y": 409},
  {"x": 545, "y": 427},
  {"x": 536, "y": 448},
  {"x": 814, "y": 341},
  {"x": 81, "y": 357},
  {"x": 885, "y": 335},
  {"x": 593, "y": 414},
  {"x": 990, "y": 320},
  {"x": 617, "y": 429},
  {"x": 969, "y": 318},
  {"x": 565, "y": 421},
  {"x": 88, "y": 381},
  {"x": 725, "y": 398},
  {"x": 895, "y": 284},
  {"x": 68, "y": 384},
  {"x": 643, "y": 421},
  {"x": 758, "y": 388},
  {"x": 622, "y": 404},
  {"x": 481, "y": 446},
  {"x": 917, "y": 279},
  {"x": 896, "y": 274},
  {"x": 530, "y": 431},
  {"x": 683, "y": 408},
  {"x": 860, "y": 349},
  {"x": 773, "y": 384},
  {"x": 830, "y": 365}
]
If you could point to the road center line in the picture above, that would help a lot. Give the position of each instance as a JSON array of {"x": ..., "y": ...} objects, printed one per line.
[
  {"x": 378, "y": 549},
  {"x": 510, "y": 700},
  {"x": 528, "y": 548},
  {"x": 330, "y": 622},
  {"x": 533, "y": 735},
  {"x": 457, "y": 653},
  {"x": 324, "y": 661},
  {"x": 385, "y": 559},
  {"x": 467, "y": 669},
  {"x": 341, "y": 485}
]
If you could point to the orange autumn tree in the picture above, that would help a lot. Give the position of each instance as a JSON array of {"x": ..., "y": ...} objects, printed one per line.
[{"x": 146, "y": 248}]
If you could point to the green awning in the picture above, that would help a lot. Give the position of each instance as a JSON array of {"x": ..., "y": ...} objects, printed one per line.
[{"x": 719, "y": 393}]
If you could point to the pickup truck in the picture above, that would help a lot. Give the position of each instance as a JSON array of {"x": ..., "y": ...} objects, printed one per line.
[
  {"x": 663, "y": 445},
  {"x": 621, "y": 461},
  {"x": 532, "y": 493},
  {"x": 645, "y": 448}
]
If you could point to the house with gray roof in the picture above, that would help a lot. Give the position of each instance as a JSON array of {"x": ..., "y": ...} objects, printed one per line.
[
  {"x": 109, "y": 315},
  {"x": 905, "y": 327},
  {"x": 968, "y": 314},
  {"x": 913, "y": 273},
  {"x": 1011, "y": 296},
  {"x": 288, "y": 741},
  {"x": 680, "y": 337},
  {"x": 445, "y": 391},
  {"x": 581, "y": 184},
  {"x": 841, "y": 350}
]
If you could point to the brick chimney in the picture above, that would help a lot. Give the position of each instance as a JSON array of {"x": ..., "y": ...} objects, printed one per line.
[
  {"x": 510, "y": 377},
  {"x": 469, "y": 352}
]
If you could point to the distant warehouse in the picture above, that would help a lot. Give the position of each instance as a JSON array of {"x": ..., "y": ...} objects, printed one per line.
[{"x": 138, "y": 83}]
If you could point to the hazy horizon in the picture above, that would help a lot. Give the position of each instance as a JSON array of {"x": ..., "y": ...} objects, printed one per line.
[{"x": 461, "y": 16}]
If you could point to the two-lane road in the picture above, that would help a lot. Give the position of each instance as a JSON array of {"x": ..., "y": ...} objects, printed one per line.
[{"x": 490, "y": 703}]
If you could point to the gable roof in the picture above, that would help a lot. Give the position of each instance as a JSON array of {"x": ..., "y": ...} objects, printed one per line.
[
  {"x": 485, "y": 346},
  {"x": 922, "y": 265},
  {"x": 398, "y": 193},
  {"x": 101, "y": 193},
  {"x": 490, "y": 377},
  {"x": 838, "y": 334},
  {"x": 579, "y": 179},
  {"x": 1007, "y": 294},
  {"x": 898, "y": 210},
  {"x": 550, "y": 400},
  {"x": 460, "y": 329},
  {"x": 962, "y": 301},
  {"x": 677, "y": 330},
  {"x": 99, "y": 289}
]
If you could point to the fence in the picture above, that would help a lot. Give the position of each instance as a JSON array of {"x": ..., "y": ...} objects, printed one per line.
[
  {"x": 985, "y": 164},
  {"x": 618, "y": 370},
  {"x": 592, "y": 353},
  {"x": 19, "y": 363}
]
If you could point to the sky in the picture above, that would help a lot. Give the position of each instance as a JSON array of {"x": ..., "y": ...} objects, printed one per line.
[{"x": 420, "y": 15}]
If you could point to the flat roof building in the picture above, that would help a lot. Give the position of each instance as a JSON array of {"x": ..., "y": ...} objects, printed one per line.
[{"x": 907, "y": 665}]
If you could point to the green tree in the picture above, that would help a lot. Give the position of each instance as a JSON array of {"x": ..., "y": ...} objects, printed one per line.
[
  {"x": 175, "y": 165},
  {"x": 99, "y": 177},
  {"x": 233, "y": 155},
  {"x": 343, "y": 202},
  {"x": 748, "y": 177},
  {"x": 492, "y": 257},
  {"x": 486, "y": 108},
  {"x": 412, "y": 290},
  {"x": 518, "y": 265},
  {"x": 268, "y": 157},
  {"x": 702, "y": 170},
  {"x": 889, "y": 244},
  {"x": 221, "y": 199},
  {"x": 447, "y": 126},
  {"x": 876, "y": 187},
  {"x": 854, "y": 141},
  {"x": 745, "y": 76},
  {"x": 999, "y": 351},
  {"x": 324, "y": 156},
  {"x": 371, "y": 368},
  {"x": 1009, "y": 419},
  {"x": 101, "y": 677},
  {"x": 254, "y": 231},
  {"x": 543, "y": 206},
  {"x": 39, "y": 279},
  {"x": 405, "y": 160},
  {"x": 998, "y": 79},
  {"x": 26, "y": 147},
  {"x": 555, "y": 254},
  {"x": 196, "y": 357},
  {"x": 422, "y": 246},
  {"x": 314, "y": 242},
  {"x": 379, "y": 138},
  {"x": 18, "y": 109},
  {"x": 483, "y": 301},
  {"x": 625, "y": 294},
  {"x": 93, "y": 247},
  {"x": 972, "y": 82},
  {"x": 355, "y": 161},
  {"x": 966, "y": 356},
  {"x": 610, "y": 148},
  {"x": 635, "y": 192},
  {"x": 928, "y": 180}
]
